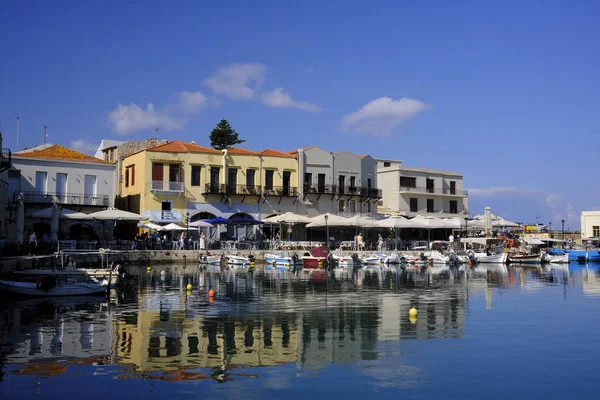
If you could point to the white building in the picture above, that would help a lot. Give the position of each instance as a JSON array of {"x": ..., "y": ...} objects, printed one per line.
[
  {"x": 76, "y": 180},
  {"x": 5, "y": 161},
  {"x": 590, "y": 224},
  {"x": 413, "y": 191}
]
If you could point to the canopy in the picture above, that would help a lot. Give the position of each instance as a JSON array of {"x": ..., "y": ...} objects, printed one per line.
[
  {"x": 64, "y": 213},
  {"x": 201, "y": 224},
  {"x": 431, "y": 223},
  {"x": 394, "y": 221},
  {"x": 288, "y": 218},
  {"x": 359, "y": 222},
  {"x": 112, "y": 214},
  {"x": 244, "y": 219},
  {"x": 533, "y": 241},
  {"x": 217, "y": 221},
  {"x": 332, "y": 220},
  {"x": 175, "y": 227},
  {"x": 150, "y": 225}
]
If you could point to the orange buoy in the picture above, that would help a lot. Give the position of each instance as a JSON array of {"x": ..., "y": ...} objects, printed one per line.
[
  {"x": 470, "y": 264},
  {"x": 430, "y": 261},
  {"x": 211, "y": 293},
  {"x": 510, "y": 243}
]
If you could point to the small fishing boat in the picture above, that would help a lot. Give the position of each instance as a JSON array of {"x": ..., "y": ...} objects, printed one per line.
[
  {"x": 583, "y": 255},
  {"x": 485, "y": 258},
  {"x": 316, "y": 258},
  {"x": 282, "y": 259},
  {"x": 208, "y": 259},
  {"x": 555, "y": 258},
  {"x": 372, "y": 259},
  {"x": 237, "y": 260},
  {"x": 393, "y": 258},
  {"x": 525, "y": 259},
  {"x": 49, "y": 285}
]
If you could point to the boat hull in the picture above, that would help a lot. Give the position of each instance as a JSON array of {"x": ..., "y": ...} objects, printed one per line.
[
  {"x": 528, "y": 259},
  {"x": 584, "y": 255},
  {"x": 495, "y": 258},
  {"x": 75, "y": 289},
  {"x": 313, "y": 262}
]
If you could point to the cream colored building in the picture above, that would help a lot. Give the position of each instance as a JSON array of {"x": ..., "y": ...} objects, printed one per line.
[{"x": 590, "y": 224}]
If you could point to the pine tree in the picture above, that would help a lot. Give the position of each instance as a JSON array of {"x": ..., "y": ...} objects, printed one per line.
[{"x": 224, "y": 136}]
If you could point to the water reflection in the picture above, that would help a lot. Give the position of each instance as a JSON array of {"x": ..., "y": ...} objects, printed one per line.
[{"x": 261, "y": 319}]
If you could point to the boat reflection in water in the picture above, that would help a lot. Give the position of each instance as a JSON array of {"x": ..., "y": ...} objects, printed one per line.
[{"x": 257, "y": 319}]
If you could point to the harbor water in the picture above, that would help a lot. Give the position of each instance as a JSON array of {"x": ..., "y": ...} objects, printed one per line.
[{"x": 482, "y": 332}]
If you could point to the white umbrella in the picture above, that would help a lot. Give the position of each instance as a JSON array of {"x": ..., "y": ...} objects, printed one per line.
[
  {"x": 112, "y": 214},
  {"x": 487, "y": 221},
  {"x": 331, "y": 220},
  {"x": 20, "y": 219},
  {"x": 175, "y": 227},
  {"x": 150, "y": 225},
  {"x": 54, "y": 222},
  {"x": 429, "y": 223},
  {"x": 394, "y": 221},
  {"x": 64, "y": 213},
  {"x": 201, "y": 224},
  {"x": 288, "y": 218},
  {"x": 359, "y": 221}
]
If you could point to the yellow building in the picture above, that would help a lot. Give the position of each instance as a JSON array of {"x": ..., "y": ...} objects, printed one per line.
[{"x": 175, "y": 180}]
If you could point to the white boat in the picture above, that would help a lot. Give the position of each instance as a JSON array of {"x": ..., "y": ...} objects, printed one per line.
[
  {"x": 53, "y": 286},
  {"x": 237, "y": 260},
  {"x": 100, "y": 274},
  {"x": 344, "y": 261},
  {"x": 393, "y": 258},
  {"x": 525, "y": 258},
  {"x": 208, "y": 259},
  {"x": 371, "y": 260},
  {"x": 555, "y": 258},
  {"x": 492, "y": 258},
  {"x": 282, "y": 259}
]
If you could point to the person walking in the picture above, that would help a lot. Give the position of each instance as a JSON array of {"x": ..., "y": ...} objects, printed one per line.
[
  {"x": 379, "y": 242},
  {"x": 451, "y": 240},
  {"x": 33, "y": 242},
  {"x": 202, "y": 241}
]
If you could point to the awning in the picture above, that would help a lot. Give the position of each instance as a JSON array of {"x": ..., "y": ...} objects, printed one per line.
[{"x": 533, "y": 241}]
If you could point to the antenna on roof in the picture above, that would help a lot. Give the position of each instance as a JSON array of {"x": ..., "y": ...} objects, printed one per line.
[
  {"x": 157, "y": 136},
  {"x": 45, "y": 133}
]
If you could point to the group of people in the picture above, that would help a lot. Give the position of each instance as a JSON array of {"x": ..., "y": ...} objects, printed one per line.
[
  {"x": 154, "y": 241},
  {"x": 37, "y": 246}
]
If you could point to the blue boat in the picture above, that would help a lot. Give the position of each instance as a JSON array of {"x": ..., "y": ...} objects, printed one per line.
[
  {"x": 281, "y": 259},
  {"x": 584, "y": 255}
]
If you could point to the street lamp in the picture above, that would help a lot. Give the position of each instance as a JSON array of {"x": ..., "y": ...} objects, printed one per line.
[
  {"x": 187, "y": 230},
  {"x": 327, "y": 229},
  {"x": 550, "y": 228},
  {"x": 562, "y": 221}
]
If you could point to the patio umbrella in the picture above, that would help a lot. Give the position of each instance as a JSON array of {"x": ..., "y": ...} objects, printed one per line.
[
  {"x": 20, "y": 219},
  {"x": 362, "y": 222},
  {"x": 244, "y": 220},
  {"x": 175, "y": 227},
  {"x": 150, "y": 225},
  {"x": 64, "y": 213},
  {"x": 218, "y": 221},
  {"x": 54, "y": 222},
  {"x": 288, "y": 218},
  {"x": 201, "y": 224},
  {"x": 112, "y": 214},
  {"x": 332, "y": 220},
  {"x": 429, "y": 223}
]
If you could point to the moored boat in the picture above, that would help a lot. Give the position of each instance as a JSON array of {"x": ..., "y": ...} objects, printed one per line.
[
  {"x": 237, "y": 260},
  {"x": 555, "y": 258},
  {"x": 316, "y": 258},
  {"x": 491, "y": 258},
  {"x": 282, "y": 259},
  {"x": 208, "y": 259},
  {"x": 54, "y": 286},
  {"x": 525, "y": 259}
]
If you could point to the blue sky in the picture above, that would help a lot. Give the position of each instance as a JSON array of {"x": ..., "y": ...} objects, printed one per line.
[{"x": 505, "y": 92}]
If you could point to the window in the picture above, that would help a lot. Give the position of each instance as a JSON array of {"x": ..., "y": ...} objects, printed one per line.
[
  {"x": 130, "y": 175},
  {"x": 287, "y": 177},
  {"x": 352, "y": 183},
  {"x": 595, "y": 231},
  {"x": 250, "y": 173},
  {"x": 414, "y": 204},
  {"x": 321, "y": 183},
  {"x": 430, "y": 205},
  {"x": 231, "y": 180},
  {"x": 342, "y": 206},
  {"x": 453, "y": 207},
  {"x": 429, "y": 185},
  {"x": 269, "y": 179},
  {"x": 408, "y": 182},
  {"x": 387, "y": 164},
  {"x": 157, "y": 176},
  {"x": 61, "y": 185},
  {"x": 307, "y": 179},
  {"x": 351, "y": 206},
  {"x": 214, "y": 178},
  {"x": 341, "y": 183},
  {"x": 126, "y": 177},
  {"x": 41, "y": 181},
  {"x": 452, "y": 187},
  {"x": 195, "y": 175},
  {"x": 175, "y": 173}
]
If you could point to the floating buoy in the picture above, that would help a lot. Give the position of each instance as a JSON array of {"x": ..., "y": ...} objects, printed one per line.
[
  {"x": 413, "y": 313},
  {"x": 430, "y": 262},
  {"x": 413, "y": 320},
  {"x": 189, "y": 286},
  {"x": 252, "y": 262},
  {"x": 211, "y": 293},
  {"x": 470, "y": 264},
  {"x": 148, "y": 269},
  {"x": 287, "y": 264}
]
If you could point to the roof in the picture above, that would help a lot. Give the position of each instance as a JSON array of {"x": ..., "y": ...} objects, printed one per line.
[
  {"x": 106, "y": 144},
  {"x": 276, "y": 153},
  {"x": 239, "y": 150},
  {"x": 365, "y": 155},
  {"x": 177, "y": 146},
  {"x": 59, "y": 153},
  {"x": 35, "y": 148}
]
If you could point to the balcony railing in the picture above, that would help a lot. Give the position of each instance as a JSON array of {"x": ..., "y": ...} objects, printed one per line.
[
  {"x": 66, "y": 199},
  {"x": 164, "y": 216},
  {"x": 165, "y": 186},
  {"x": 214, "y": 188},
  {"x": 370, "y": 192},
  {"x": 434, "y": 190},
  {"x": 342, "y": 190},
  {"x": 320, "y": 189},
  {"x": 246, "y": 190},
  {"x": 280, "y": 191}
]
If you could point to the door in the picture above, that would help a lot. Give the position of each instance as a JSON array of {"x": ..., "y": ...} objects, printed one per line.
[
  {"x": 341, "y": 184},
  {"x": 429, "y": 185},
  {"x": 61, "y": 187},
  {"x": 175, "y": 181},
  {"x": 41, "y": 185},
  {"x": 321, "y": 183},
  {"x": 89, "y": 190},
  {"x": 250, "y": 181},
  {"x": 452, "y": 187},
  {"x": 231, "y": 180},
  {"x": 214, "y": 179},
  {"x": 157, "y": 176},
  {"x": 286, "y": 182}
]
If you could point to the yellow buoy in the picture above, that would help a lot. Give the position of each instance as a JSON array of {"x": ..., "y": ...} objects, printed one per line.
[
  {"x": 287, "y": 264},
  {"x": 252, "y": 263},
  {"x": 148, "y": 269},
  {"x": 189, "y": 286},
  {"x": 413, "y": 313},
  {"x": 413, "y": 320}
]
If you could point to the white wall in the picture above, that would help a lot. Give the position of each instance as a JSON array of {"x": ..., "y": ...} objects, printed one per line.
[
  {"x": 589, "y": 219},
  {"x": 75, "y": 171}
]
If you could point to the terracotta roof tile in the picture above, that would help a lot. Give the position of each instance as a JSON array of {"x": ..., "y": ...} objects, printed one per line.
[
  {"x": 239, "y": 150},
  {"x": 57, "y": 152},
  {"x": 177, "y": 146},
  {"x": 364, "y": 155},
  {"x": 275, "y": 153}
]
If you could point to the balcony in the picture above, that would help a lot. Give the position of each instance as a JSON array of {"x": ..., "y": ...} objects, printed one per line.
[
  {"x": 434, "y": 190},
  {"x": 280, "y": 191},
  {"x": 164, "y": 216},
  {"x": 66, "y": 199},
  {"x": 166, "y": 187},
  {"x": 5, "y": 159},
  {"x": 214, "y": 188},
  {"x": 371, "y": 192},
  {"x": 244, "y": 190},
  {"x": 320, "y": 189}
]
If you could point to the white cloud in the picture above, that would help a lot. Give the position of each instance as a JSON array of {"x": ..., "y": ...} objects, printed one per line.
[
  {"x": 237, "y": 81},
  {"x": 279, "y": 98},
  {"x": 83, "y": 146},
  {"x": 380, "y": 116},
  {"x": 189, "y": 102},
  {"x": 126, "y": 119}
]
